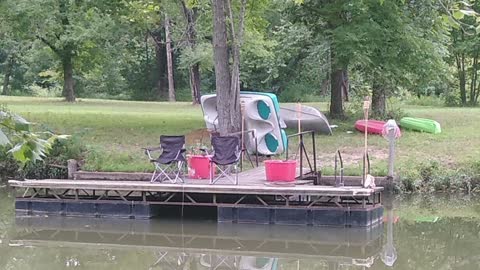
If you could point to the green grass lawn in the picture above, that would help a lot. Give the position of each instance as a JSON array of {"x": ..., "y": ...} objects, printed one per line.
[{"x": 114, "y": 132}]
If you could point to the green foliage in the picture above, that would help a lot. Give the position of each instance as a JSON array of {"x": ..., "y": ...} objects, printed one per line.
[
  {"x": 8, "y": 165},
  {"x": 54, "y": 166},
  {"x": 26, "y": 145},
  {"x": 299, "y": 92},
  {"x": 433, "y": 177}
]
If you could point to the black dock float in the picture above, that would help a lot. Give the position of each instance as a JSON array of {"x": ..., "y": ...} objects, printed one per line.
[{"x": 326, "y": 216}]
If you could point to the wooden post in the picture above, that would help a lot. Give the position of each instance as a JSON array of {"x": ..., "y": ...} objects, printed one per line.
[
  {"x": 299, "y": 117},
  {"x": 366, "y": 107},
  {"x": 72, "y": 168}
]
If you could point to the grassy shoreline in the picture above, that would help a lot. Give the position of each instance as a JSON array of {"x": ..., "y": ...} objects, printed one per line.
[{"x": 113, "y": 133}]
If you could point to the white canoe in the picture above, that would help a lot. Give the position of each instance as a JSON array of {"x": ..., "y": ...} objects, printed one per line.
[{"x": 310, "y": 118}]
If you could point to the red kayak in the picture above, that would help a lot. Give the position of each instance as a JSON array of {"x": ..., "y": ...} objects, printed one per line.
[{"x": 374, "y": 126}]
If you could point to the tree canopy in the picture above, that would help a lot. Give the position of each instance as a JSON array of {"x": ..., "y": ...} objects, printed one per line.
[{"x": 329, "y": 50}]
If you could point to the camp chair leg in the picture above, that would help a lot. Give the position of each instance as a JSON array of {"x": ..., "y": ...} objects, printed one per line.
[
  {"x": 157, "y": 174},
  {"x": 211, "y": 173},
  {"x": 226, "y": 171},
  {"x": 236, "y": 174},
  {"x": 152, "y": 179},
  {"x": 168, "y": 173},
  {"x": 178, "y": 173}
]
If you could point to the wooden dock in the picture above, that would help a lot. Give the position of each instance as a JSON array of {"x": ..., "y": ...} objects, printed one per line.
[{"x": 254, "y": 200}]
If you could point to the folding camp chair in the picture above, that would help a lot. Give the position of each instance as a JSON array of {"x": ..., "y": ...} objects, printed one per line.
[
  {"x": 226, "y": 156},
  {"x": 170, "y": 164}
]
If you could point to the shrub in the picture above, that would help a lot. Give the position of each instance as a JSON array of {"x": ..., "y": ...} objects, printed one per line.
[
  {"x": 53, "y": 166},
  {"x": 452, "y": 100},
  {"x": 8, "y": 165},
  {"x": 431, "y": 177}
]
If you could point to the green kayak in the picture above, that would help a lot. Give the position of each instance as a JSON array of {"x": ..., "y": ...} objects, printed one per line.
[{"x": 420, "y": 124}]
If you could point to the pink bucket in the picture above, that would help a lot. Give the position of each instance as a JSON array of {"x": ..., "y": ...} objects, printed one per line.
[{"x": 280, "y": 170}]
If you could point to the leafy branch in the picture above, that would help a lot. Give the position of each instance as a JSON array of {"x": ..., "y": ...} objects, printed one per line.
[{"x": 24, "y": 144}]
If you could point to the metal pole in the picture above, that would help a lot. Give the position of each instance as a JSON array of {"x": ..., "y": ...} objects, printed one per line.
[
  {"x": 314, "y": 154},
  {"x": 392, "y": 129},
  {"x": 301, "y": 156},
  {"x": 391, "y": 152}
]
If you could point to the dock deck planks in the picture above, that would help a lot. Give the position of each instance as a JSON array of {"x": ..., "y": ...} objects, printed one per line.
[{"x": 250, "y": 182}]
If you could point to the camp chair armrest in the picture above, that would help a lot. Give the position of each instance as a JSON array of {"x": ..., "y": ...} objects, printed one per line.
[
  {"x": 180, "y": 152},
  {"x": 151, "y": 149}
]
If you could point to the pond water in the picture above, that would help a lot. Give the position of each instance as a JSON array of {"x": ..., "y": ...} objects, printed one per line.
[{"x": 426, "y": 233}]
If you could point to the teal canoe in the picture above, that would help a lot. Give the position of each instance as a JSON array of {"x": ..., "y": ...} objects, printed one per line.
[{"x": 420, "y": 124}]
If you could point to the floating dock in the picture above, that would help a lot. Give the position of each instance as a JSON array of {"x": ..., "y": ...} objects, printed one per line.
[{"x": 252, "y": 201}]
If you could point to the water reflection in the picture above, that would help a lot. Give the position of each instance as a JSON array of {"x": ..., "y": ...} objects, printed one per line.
[
  {"x": 50, "y": 243},
  {"x": 204, "y": 245},
  {"x": 389, "y": 252}
]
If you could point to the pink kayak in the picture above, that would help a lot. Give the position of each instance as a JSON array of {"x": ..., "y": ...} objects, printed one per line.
[{"x": 374, "y": 126}]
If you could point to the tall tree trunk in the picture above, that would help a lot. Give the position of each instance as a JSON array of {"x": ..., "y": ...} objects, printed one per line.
[
  {"x": 195, "y": 83},
  {"x": 191, "y": 18},
  {"x": 236, "y": 40},
  {"x": 336, "y": 97},
  {"x": 460, "y": 59},
  {"x": 68, "y": 83},
  {"x": 345, "y": 85},
  {"x": 477, "y": 95},
  {"x": 8, "y": 73},
  {"x": 336, "y": 86},
  {"x": 379, "y": 100},
  {"x": 158, "y": 37},
  {"x": 225, "y": 102},
  {"x": 473, "y": 83},
  {"x": 168, "y": 40}
]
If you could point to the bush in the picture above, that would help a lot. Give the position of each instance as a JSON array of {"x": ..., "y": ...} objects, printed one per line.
[
  {"x": 452, "y": 100},
  {"x": 8, "y": 166},
  {"x": 431, "y": 177},
  {"x": 53, "y": 166}
]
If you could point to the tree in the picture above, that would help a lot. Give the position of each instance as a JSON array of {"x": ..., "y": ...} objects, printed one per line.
[
  {"x": 23, "y": 144},
  {"x": 191, "y": 15},
  {"x": 465, "y": 50},
  {"x": 227, "y": 81},
  {"x": 67, "y": 27},
  {"x": 400, "y": 47},
  {"x": 332, "y": 19},
  {"x": 10, "y": 48},
  {"x": 168, "y": 46}
]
